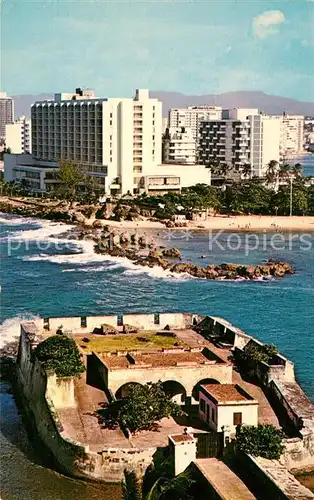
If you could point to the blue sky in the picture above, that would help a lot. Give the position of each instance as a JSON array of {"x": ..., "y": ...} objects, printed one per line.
[{"x": 193, "y": 47}]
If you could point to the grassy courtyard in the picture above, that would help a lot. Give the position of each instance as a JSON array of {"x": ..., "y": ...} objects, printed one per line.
[{"x": 111, "y": 343}]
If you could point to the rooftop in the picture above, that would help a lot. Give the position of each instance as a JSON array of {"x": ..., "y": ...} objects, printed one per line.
[
  {"x": 181, "y": 438},
  {"x": 158, "y": 359},
  {"x": 226, "y": 393},
  {"x": 143, "y": 340}
]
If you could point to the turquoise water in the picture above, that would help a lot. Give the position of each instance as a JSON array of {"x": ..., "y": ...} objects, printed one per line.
[{"x": 50, "y": 277}]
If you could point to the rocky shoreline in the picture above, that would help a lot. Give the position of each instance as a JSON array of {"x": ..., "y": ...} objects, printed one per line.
[{"x": 142, "y": 251}]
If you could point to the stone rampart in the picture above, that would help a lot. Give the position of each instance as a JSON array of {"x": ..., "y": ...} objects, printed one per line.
[{"x": 42, "y": 396}]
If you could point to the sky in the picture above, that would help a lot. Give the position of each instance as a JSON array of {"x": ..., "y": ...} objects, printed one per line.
[{"x": 189, "y": 46}]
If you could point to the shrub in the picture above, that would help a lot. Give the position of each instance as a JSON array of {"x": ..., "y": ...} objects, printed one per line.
[
  {"x": 60, "y": 354},
  {"x": 252, "y": 354},
  {"x": 261, "y": 441},
  {"x": 142, "y": 408}
]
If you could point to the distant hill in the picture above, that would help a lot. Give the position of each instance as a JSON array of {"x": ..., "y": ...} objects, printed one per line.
[{"x": 270, "y": 104}]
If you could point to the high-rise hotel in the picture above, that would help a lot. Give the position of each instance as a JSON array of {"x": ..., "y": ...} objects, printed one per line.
[{"x": 116, "y": 140}]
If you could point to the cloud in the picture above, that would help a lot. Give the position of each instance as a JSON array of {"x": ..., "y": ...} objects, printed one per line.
[{"x": 267, "y": 23}]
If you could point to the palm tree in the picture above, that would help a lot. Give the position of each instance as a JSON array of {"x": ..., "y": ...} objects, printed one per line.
[
  {"x": 297, "y": 170},
  {"x": 284, "y": 172},
  {"x": 272, "y": 172}
]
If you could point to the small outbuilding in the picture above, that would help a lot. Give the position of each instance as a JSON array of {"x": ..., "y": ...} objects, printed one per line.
[{"x": 224, "y": 406}]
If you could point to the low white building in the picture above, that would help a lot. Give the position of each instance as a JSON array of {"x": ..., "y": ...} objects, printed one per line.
[
  {"x": 18, "y": 136},
  {"x": 38, "y": 176},
  {"x": 173, "y": 177},
  {"x": 224, "y": 406}
]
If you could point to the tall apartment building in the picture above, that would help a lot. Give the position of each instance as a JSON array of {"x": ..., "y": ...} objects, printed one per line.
[
  {"x": 179, "y": 146},
  {"x": 18, "y": 136},
  {"x": 265, "y": 133},
  {"x": 6, "y": 112},
  {"x": 116, "y": 140},
  {"x": 246, "y": 137},
  {"x": 292, "y": 135},
  {"x": 192, "y": 116},
  {"x": 224, "y": 141}
]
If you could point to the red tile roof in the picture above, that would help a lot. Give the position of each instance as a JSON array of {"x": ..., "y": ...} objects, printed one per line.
[{"x": 226, "y": 393}]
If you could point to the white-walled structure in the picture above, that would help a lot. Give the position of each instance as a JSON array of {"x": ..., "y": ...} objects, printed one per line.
[
  {"x": 6, "y": 112},
  {"x": 174, "y": 177},
  {"x": 192, "y": 116},
  {"x": 292, "y": 135},
  {"x": 225, "y": 141},
  {"x": 249, "y": 139},
  {"x": 241, "y": 113},
  {"x": 117, "y": 140},
  {"x": 179, "y": 146},
  {"x": 224, "y": 406},
  {"x": 265, "y": 132},
  {"x": 37, "y": 175},
  {"x": 18, "y": 136}
]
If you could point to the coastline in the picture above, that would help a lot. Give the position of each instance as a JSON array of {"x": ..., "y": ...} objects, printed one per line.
[
  {"x": 230, "y": 223},
  {"x": 236, "y": 223}
]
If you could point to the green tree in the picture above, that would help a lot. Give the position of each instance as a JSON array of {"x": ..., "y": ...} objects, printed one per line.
[
  {"x": 265, "y": 440},
  {"x": 70, "y": 176},
  {"x": 310, "y": 199},
  {"x": 142, "y": 408},
  {"x": 299, "y": 199},
  {"x": 60, "y": 354}
]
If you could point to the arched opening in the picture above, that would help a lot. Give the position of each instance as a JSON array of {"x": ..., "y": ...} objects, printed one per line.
[
  {"x": 124, "y": 390},
  {"x": 175, "y": 390},
  {"x": 204, "y": 381}
]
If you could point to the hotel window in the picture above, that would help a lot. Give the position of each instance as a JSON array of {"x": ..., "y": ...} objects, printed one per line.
[
  {"x": 237, "y": 418},
  {"x": 83, "y": 322},
  {"x": 202, "y": 405},
  {"x": 110, "y": 122},
  {"x": 156, "y": 319}
]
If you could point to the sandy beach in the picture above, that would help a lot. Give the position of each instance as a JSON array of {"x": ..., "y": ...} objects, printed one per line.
[{"x": 232, "y": 223}]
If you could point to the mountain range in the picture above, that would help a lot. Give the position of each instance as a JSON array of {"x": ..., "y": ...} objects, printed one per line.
[{"x": 269, "y": 104}]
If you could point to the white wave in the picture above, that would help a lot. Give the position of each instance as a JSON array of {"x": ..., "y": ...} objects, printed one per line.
[
  {"x": 85, "y": 254},
  {"x": 18, "y": 221},
  {"x": 89, "y": 269},
  {"x": 10, "y": 328}
]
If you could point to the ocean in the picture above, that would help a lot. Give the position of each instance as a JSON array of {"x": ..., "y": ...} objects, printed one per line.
[{"x": 44, "y": 274}]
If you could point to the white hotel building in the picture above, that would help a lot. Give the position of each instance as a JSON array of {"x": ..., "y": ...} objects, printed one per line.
[
  {"x": 192, "y": 116},
  {"x": 245, "y": 137},
  {"x": 18, "y": 136},
  {"x": 117, "y": 141}
]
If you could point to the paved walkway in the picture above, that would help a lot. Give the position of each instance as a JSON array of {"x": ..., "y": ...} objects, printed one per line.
[{"x": 227, "y": 485}]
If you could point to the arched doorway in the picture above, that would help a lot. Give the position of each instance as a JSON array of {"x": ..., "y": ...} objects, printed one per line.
[
  {"x": 175, "y": 390},
  {"x": 124, "y": 390},
  {"x": 204, "y": 381}
]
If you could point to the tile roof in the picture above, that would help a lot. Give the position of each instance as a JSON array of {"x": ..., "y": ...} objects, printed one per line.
[{"x": 226, "y": 393}]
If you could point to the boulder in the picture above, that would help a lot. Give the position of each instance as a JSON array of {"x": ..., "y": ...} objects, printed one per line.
[
  {"x": 130, "y": 329},
  {"x": 108, "y": 330},
  {"x": 125, "y": 238},
  {"x": 173, "y": 253},
  {"x": 134, "y": 238},
  {"x": 142, "y": 241},
  {"x": 97, "y": 224}
]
